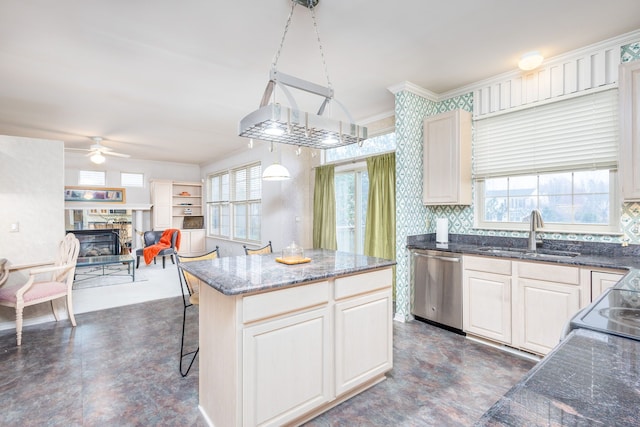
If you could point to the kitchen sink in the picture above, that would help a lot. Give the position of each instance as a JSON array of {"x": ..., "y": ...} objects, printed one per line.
[{"x": 526, "y": 253}]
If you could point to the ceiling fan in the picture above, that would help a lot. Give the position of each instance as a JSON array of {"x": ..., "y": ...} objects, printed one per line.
[{"x": 97, "y": 151}]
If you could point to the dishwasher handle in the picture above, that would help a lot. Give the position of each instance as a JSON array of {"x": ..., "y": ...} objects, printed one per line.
[{"x": 440, "y": 258}]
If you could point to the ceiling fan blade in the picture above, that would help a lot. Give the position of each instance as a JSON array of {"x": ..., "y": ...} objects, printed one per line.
[{"x": 112, "y": 153}]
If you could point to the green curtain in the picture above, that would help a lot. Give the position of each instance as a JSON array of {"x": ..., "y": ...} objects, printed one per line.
[
  {"x": 324, "y": 209},
  {"x": 380, "y": 229}
]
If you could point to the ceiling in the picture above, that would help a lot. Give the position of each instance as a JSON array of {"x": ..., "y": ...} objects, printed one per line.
[{"x": 170, "y": 80}]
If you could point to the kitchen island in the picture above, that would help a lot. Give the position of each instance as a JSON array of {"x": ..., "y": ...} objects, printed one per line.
[{"x": 280, "y": 344}]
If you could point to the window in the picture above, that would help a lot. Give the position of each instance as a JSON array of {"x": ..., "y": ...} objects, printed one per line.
[
  {"x": 235, "y": 203},
  {"x": 132, "y": 179},
  {"x": 568, "y": 201},
  {"x": 560, "y": 158},
  {"x": 92, "y": 178},
  {"x": 352, "y": 191},
  {"x": 376, "y": 145}
]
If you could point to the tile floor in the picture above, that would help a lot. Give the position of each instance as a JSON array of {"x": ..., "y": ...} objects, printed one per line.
[{"x": 119, "y": 367}]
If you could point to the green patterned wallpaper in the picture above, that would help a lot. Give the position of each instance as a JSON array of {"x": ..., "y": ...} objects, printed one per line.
[{"x": 414, "y": 218}]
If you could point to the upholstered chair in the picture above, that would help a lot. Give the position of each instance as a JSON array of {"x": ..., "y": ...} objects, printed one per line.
[
  {"x": 152, "y": 238},
  {"x": 45, "y": 284}
]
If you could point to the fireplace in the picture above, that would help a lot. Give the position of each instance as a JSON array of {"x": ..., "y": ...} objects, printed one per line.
[{"x": 98, "y": 242}]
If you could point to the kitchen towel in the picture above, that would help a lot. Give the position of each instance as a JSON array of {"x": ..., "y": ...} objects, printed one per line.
[{"x": 442, "y": 230}]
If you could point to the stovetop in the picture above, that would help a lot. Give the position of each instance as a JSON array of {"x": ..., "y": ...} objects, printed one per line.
[{"x": 617, "y": 312}]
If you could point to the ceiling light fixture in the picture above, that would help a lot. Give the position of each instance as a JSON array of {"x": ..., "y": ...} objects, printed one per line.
[
  {"x": 275, "y": 172},
  {"x": 530, "y": 60},
  {"x": 294, "y": 126},
  {"x": 97, "y": 158}
]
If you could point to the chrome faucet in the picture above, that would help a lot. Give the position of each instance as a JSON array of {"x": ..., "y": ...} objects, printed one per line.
[{"x": 535, "y": 224}]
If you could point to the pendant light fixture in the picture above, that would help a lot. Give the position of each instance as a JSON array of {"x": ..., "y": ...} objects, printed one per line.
[
  {"x": 275, "y": 172},
  {"x": 289, "y": 125}
]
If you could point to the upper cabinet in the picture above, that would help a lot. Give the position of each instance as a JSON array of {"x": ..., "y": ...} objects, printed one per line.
[
  {"x": 447, "y": 159},
  {"x": 629, "y": 90}
]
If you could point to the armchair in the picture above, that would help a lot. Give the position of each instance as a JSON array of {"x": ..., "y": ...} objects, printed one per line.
[
  {"x": 44, "y": 284},
  {"x": 152, "y": 238}
]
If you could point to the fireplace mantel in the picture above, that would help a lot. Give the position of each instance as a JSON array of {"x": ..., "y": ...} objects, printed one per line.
[{"x": 130, "y": 206}]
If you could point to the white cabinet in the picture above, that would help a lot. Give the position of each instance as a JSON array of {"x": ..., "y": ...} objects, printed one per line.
[
  {"x": 601, "y": 280},
  {"x": 292, "y": 354},
  {"x": 447, "y": 159},
  {"x": 546, "y": 297},
  {"x": 277, "y": 357},
  {"x": 161, "y": 210},
  {"x": 487, "y": 298},
  {"x": 363, "y": 343},
  {"x": 629, "y": 92},
  {"x": 192, "y": 242},
  {"x": 173, "y": 202},
  {"x": 522, "y": 304}
]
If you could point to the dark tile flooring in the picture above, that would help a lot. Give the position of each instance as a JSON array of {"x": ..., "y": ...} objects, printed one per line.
[{"x": 119, "y": 367}]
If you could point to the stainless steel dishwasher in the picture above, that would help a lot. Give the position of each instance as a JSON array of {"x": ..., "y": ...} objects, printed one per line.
[{"x": 437, "y": 287}]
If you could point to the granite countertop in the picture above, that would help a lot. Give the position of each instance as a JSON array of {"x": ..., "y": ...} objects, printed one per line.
[
  {"x": 604, "y": 255},
  {"x": 591, "y": 379},
  {"x": 254, "y": 273}
]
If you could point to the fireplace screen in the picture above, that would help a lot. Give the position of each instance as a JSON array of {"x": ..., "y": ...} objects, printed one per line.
[{"x": 98, "y": 242}]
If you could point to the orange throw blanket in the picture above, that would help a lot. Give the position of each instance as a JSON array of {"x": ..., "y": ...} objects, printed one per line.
[{"x": 150, "y": 252}]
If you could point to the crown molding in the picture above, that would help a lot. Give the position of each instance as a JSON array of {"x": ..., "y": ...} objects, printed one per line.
[
  {"x": 407, "y": 86},
  {"x": 621, "y": 40}
]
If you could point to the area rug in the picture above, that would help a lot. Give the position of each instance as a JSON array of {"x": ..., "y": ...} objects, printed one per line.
[{"x": 91, "y": 277}]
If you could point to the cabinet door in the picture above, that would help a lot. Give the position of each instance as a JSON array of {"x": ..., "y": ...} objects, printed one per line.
[
  {"x": 185, "y": 243},
  {"x": 161, "y": 209},
  {"x": 629, "y": 89},
  {"x": 363, "y": 340},
  {"x": 542, "y": 309},
  {"x": 601, "y": 281},
  {"x": 447, "y": 158},
  {"x": 286, "y": 367},
  {"x": 198, "y": 243},
  {"x": 487, "y": 305}
]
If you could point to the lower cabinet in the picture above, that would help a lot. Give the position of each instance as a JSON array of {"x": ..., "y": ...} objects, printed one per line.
[
  {"x": 601, "y": 280},
  {"x": 282, "y": 356},
  {"x": 541, "y": 310},
  {"x": 192, "y": 242},
  {"x": 286, "y": 367},
  {"x": 363, "y": 341},
  {"x": 522, "y": 304},
  {"x": 487, "y": 302}
]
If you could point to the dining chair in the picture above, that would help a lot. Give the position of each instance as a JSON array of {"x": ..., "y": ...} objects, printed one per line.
[
  {"x": 190, "y": 287},
  {"x": 45, "y": 284},
  {"x": 267, "y": 249}
]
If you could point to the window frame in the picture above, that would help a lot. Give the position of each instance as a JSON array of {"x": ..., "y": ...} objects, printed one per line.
[
  {"x": 359, "y": 231},
  {"x": 140, "y": 174},
  {"x": 611, "y": 228},
  {"x": 231, "y": 203},
  {"x": 95, "y": 173}
]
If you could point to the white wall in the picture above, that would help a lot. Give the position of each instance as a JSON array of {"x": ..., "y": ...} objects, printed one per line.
[
  {"x": 31, "y": 193},
  {"x": 286, "y": 205},
  {"x": 113, "y": 166}
]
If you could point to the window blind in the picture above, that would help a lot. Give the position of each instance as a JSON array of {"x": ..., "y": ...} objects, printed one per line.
[{"x": 580, "y": 133}]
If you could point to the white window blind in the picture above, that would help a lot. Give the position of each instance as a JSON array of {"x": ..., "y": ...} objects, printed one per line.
[
  {"x": 92, "y": 178},
  {"x": 131, "y": 179},
  {"x": 580, "y": 133}
]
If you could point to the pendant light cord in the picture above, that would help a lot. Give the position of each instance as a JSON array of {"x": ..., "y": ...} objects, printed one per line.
[{"x": 284, "y": 35}]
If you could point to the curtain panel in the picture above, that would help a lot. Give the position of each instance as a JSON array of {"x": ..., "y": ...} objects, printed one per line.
[
  {"x": 324, "y": 209},
  {"x": 380, "y": 228}
]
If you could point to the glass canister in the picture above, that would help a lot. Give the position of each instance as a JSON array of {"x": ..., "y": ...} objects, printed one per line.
[{"x": 293, "y": 252}]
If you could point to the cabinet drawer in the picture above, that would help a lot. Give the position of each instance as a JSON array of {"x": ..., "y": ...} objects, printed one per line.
[
  {"x": 549, "y": 272},
  {"x": 269, "y": 304},
  {"x": 488, "y": 264},
  {"x": 362, "y": 283}
]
